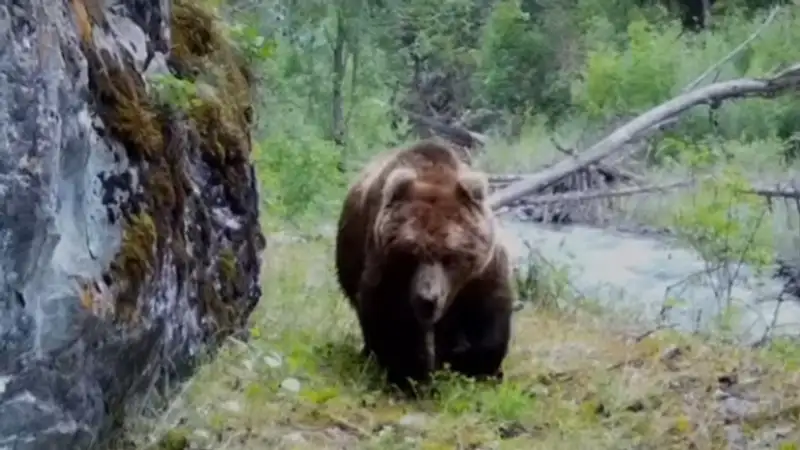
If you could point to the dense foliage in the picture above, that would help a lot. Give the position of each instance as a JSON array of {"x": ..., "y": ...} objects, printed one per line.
[
  {"x": 339, "y": 81},
  {"x": 338, "y": 76}
]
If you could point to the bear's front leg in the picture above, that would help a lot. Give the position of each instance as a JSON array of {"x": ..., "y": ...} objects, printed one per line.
[
  {"x": 366, "y": 350},
  {"x": 482, "y": 329},
  {"x": 401, "y": 352},
  {"x": 393, "y": 335}
]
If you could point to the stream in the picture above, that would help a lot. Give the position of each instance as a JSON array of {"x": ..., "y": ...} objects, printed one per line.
[{"x": 637, "y": 273}]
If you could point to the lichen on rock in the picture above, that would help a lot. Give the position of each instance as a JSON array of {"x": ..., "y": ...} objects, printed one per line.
[{"x": 130, "y": 236}]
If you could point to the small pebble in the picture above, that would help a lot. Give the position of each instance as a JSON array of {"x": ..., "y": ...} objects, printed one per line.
[
  {"x": 273, "y": 360},
  {"x": 233, "y": 406},
  {"x": 201, "y": 434},
  {"x": 294, "y": 438},
  {"x": 248, "y": 364},
  {"x": 291, "y": 385},
  {"x": 415, "y": 421}
]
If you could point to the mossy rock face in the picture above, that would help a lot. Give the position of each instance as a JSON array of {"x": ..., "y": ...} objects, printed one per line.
[
  {"x": 190, "y": 256},
  {"x": 190, "y": 226},
  {"x": 130, "y": 236}
]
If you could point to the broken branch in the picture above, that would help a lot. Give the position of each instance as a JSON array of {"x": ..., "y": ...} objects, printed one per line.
[
  {"x": 595, "y": 194},
  {"x": 735, "y": 51},
  {"x": 780, "y": 190}
]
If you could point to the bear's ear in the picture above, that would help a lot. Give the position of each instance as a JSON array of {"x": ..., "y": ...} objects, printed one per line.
[
  {"x": 397, "y": 185},
  {"x": 473, "y": 186}
]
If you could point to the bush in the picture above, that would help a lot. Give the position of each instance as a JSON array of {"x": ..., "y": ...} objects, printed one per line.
[
  {"x": 520, "y": 67},
  {"x": 633, "y": 79},
  {"x": 657, "y": 62},
  {"x": 298, "y": 175}
]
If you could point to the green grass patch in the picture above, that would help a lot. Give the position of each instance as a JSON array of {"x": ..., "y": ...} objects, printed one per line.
[{"x": 573, "y": 381}]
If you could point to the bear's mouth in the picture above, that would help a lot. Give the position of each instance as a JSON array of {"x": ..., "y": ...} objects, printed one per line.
[
  {"x": 428, "y": 311},
  {"x": 425, "y": 308}
]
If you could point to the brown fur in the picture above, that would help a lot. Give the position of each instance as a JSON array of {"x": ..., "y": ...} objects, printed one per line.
[{"x": 417, "y": 253}]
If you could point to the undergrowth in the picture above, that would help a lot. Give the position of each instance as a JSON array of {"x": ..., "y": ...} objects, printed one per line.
[{"x": 575, "y": 379}]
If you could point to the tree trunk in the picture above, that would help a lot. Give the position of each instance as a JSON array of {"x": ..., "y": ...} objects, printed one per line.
[{"x": 337, "y": 98}]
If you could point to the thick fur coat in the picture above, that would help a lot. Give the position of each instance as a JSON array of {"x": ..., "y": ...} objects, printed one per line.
[{"x": 419, "y": 259}]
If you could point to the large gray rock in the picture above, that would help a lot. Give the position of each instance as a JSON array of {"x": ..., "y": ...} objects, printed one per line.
[{"x": 129, "y": 236}]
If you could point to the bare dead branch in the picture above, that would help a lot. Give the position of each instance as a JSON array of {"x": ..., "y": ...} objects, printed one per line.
[
  {"x": 739, "y": 48},
  {"x": 646, "y": 124},
  {"x": 780, "y": 190},
  {"x": 595, "y": 194},
  {"x": 506, "y": 178},
  {"x": 787, "y": 190}
]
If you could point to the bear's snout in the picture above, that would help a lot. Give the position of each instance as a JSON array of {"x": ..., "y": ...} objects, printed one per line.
[{"x": 429, "y": 290}]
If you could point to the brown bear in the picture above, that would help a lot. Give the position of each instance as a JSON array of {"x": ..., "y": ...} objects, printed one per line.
[{"x": 419, "y": 259}]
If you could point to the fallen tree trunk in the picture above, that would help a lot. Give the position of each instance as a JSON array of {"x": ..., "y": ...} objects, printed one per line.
[
  {"x": 785, "y": 190},
  {"x": 596, "y": 194},
  {"x": 646, "y": 124},
  {"x": 495, "y": 178}
]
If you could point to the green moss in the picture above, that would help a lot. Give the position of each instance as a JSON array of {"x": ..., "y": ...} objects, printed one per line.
[
  {"x": 174, "y": 439},
  {"x": 126, "y": 107},
  {"x": 227, "y": 264},
  {"x": 161, "y": 190},
  {"x": 200, "y": 52},
  {"x": 207, "y": 118},
  {"x": 194, "y": 33},
  {"x": 216, "y": 301},
  {"x": 215, "y": 307},
  {"x": 156, "y": 147},
  {"x": 134, "y": 262},
  {"x": 121, "y": 99},
  {"x": 222, "y": 140}
]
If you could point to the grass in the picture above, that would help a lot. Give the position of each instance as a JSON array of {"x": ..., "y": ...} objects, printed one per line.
[{"x": 573, "y": 381}]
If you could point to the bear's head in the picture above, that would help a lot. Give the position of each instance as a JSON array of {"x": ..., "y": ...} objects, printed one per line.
[{"x": 434, "y": 223}]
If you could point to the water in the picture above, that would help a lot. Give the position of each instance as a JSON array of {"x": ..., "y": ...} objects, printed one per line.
[{"x": 637, "y": 274}]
